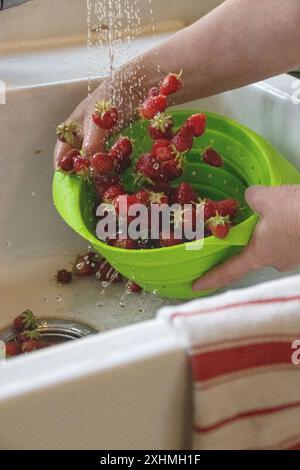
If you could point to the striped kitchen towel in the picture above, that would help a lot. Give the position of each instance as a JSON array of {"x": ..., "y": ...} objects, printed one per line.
[{"x": 244, "y": 351}]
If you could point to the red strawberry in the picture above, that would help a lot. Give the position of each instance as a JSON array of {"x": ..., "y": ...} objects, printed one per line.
[
  {"x": 25, "y": 321},
  {"x": 12, "y": 349},
  {"x": 107, "y": 273},
  {"x": 171, "y": 83},
  {"x": 197, "y": 124},
  {"x": 70, "y": 133},
  {"x": 102, "y": 163},
  {"x": 152, "y": 106},
  {"x": 228, "y": 207},
  {"x": 104, "y": 182},
  {"x": 171, "y": 169},
  {"x": 167, "y": 239},
  {"x": 132, "y": 287},
  {"x": 67, "y": 162},
  {"x": 163, "y": 150},
  {"x": 126, "y": 243},
  {"x": 86, "y": 265},
  {"x": 210, "y": 208},
  {"x": 33, "y": 345},
  {"x": 112, "y": 192},
  {"x": 154, "y": 91},
  {"x": 140, "y": 197},
  {"x": 148, "y": 166},
  {"x": 211, "y": 157},
  {"x": 27, "y": 335},
  {"x": 63, "y": 276},
  {"x": 161, "y": 126},
  {"x": 122, "y": 148},
  {"x": 219, "y": 226},
  {"x": 185, "y": 194},
  {"x": 183, "y": 139},
  {"x": 81, "y": 166},
  {"x": 105, "y": 115}
]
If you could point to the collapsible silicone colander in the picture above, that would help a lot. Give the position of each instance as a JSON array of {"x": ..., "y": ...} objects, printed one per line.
[{"x": 249, "y": 159}]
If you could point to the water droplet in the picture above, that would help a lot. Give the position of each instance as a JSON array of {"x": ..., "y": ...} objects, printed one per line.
[
  {"x": 59, "y": 298},
  {"x": 33, "y": 194},
  {"x": 8, "y": 243},
  {"x": 99, "y": 304},
  {"x": 194, "y": 173},
  {"x": 46, "y": 298},
  {"x": 104, "y": 284}
]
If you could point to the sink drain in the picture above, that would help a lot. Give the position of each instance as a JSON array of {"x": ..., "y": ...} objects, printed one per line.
[{"x": 54, "y": 330}]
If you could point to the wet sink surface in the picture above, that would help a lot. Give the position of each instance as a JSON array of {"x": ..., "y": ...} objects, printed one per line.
[{"x": 31, "y": 284}]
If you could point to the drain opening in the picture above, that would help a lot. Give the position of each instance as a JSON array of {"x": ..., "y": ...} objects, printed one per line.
[{"x": 54, "y": 330}]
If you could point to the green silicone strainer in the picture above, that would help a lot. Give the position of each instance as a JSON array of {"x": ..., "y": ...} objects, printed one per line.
[{"x": 248, "y": 159}]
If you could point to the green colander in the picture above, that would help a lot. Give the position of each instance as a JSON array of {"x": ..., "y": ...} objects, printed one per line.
[{"x": 248, "y": 160}]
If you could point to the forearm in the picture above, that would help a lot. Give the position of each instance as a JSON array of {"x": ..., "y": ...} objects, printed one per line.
[{"x": 240, "y": 42}]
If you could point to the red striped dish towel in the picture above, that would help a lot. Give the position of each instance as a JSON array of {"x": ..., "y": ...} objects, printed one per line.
[{"x": 244, "y": 352}]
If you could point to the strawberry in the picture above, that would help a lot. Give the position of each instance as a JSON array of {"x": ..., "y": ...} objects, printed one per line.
[
  {"x": 126, "y": 243},
  {"x": 82, "y": 166},
  {"x": 25, "y": 321},
  {"x": 102, "y": 163},
  {"x": 210, "y": 208},
  {"x": 140, "y": 197},
  {"x": 107, "y": 273},
  {"x": 104, "y": 182},
  {"x": 70, "y": 133},
  {"x": 63, "y": 276},
  {"x": 27, "y": 335},
  {"x": 171, "y": 169},
  {"x": 33, "y": 345},
  {"x": 86, "y": 265},
  {"x": 154, "y": 91},
  {"x": 163, "y": 150},
  {"x": 133, "y": 288},
  {"x": 67, "y": 162},
  {"x": 112, "y": 192},
  {"x": 148, "y": 166},
  {"x": 12, "y": 349},
  {"x": 197, "y": 124},
  {"x": 168, "y": 239},
  {"x": 211, "y": 157},
  {"x": 159, "y": 187},
  {"x": 152, "y": 106},
  {"x": 122, "y": 148},
  {"x": 161, "y": 126},
  {"x": 171, "y": 83},
  {"x": 105, "y": 115},
  {"x": 228, "y": 207},
  {"x": 219, "y": 226},
  {"x": 183, "y": 139},
  {"x": 185, "y": 194}
]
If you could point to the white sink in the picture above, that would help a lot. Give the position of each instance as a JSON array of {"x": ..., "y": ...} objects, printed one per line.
[{"x": 128, "y": 387}]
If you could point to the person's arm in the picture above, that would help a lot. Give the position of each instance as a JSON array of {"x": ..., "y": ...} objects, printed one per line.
[{"x": 240, "y": 42}]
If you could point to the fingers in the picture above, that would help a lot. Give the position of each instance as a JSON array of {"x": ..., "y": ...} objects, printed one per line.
[
  {"x": 231, "y": 271},
  {"x": 60, "y": 150},
  {"x": 94, "y": 138}
]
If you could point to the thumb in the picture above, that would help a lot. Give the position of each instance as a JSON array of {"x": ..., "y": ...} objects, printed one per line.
[{"x": 260, "y": 198}]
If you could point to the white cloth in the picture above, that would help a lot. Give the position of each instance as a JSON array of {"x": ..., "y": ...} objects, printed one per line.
[{"x": 244, "y": 350}]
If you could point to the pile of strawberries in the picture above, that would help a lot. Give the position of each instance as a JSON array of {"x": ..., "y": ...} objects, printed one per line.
[
  {"x": 155, "y": 170},
  {"x": 91, "y": 264},
  {"x": 27, "y": 336}
]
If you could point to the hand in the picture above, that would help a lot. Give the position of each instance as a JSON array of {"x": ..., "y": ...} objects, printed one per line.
[
  {"x": 276, "y": 239},
  {"x": 126, "y": 92}
]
